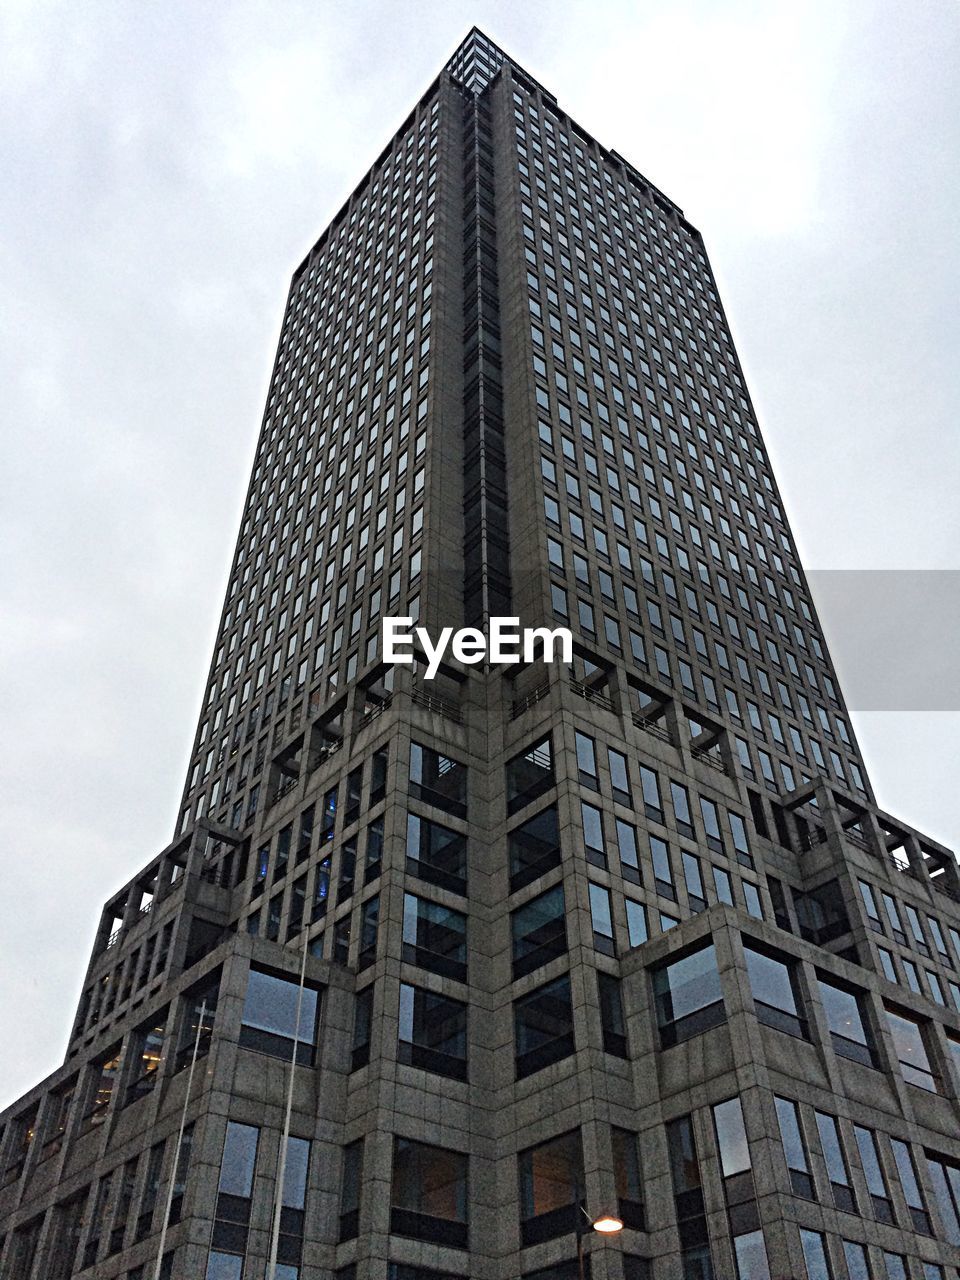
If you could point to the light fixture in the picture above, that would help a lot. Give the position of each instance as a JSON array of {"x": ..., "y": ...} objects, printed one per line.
[{"x": 608, "y": 1224}]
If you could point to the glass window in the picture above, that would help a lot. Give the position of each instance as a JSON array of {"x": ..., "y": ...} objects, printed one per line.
[
  {"x": 543, "y": 1026},
  {"x": 586, "y": 761},
  {"x": 721, "y": 882},
  {"x": 529, "y": 775},
  {"x": 911, "y": 1187},
  {"x": 350, "y": 1189},
  {"x": 652, "y": 804},
  {"x": 711, "y": 824},
  {"x": 534, "y": 848},
  {"x": 436, "y": 854},
  {"x": 539, "y": 931},
  {"x": 592, "y": 821},
  {"x": 636, "y": 922},
  {"x": 815, "y": 1255},
  {"x": 693, "y": 880},
  {"x": 612, "y": 1022},
  {"x": 433, "y": 1032},
  {"x": 270, "y": 1023},
  {"x": 619, "y": 776},
  {"x": 429, "y": 1193},
  {"x": 239, "y": 1160},
  {"x": 876, "y": 1183},
  {"x": 688, "y": 996},
  {"x": 794, "y": 1148},
  {"x": 627, "y": 848},
  {"x": 911, "y": 1051},
  {"x": 731, "y": 1137},
  {"x": 751, "y": 1255},
  {"x": 626, "y": 1168},
  {"x": 434, "y": 937},
  {"x": 196, "y": 1027},
  {"x": 895, "y": 1266},
  {"x": 847, "y": 1030},
  {"x": 858, "y": 1264},
  {"x": 438, "y": 780},
  {"x": 774, "y": 992},
  {"x": 836, "y": 1162},
  {"x": 945, "y": 1177},
  {"x": 601, "y": 919},
  {"x": 147, "y": 1044},
  {"x": 662, "y": 870},
  {"x": 551, "y": 1188}
]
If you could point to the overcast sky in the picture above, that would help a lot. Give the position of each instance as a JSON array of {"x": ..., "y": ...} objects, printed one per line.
[{"x": 166, "y": 167}]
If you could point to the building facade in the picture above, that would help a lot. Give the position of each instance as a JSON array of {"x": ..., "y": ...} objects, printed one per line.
[{"x": 436, "y": 972}]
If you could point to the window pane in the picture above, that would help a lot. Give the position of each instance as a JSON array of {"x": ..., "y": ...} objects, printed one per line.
[
  {"x": 731, "y": 1137},
  {"x": 270, "y": 1007},
  {"x": 751, "y": 1256},
  {"x": 684, "y": 991},
  {"x": 239, "y": 1159},
  {"x": 911, "y": 1051},
  {"x": 814, "y": 1255}
]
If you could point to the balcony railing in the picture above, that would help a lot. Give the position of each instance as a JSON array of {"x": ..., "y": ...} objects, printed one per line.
[{"x": 441, "y": 706}]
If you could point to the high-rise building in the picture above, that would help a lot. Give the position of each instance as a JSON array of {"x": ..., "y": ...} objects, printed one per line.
[{"x": 437, "y": 973}]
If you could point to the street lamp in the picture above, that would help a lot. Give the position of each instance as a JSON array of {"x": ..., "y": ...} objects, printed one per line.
[{"x": 608, "y": 1224}]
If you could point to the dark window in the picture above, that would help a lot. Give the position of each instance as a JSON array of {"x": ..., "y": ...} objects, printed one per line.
[
  {"x": 151, "y": 1188},
  {"x": 404, "y": 1271},
  {"x": 68, "y": 1226},
  {"x": 180, "y": 1175},
  {"x": 794, "y": 1148},
  {"x": 438, "y": 780},
  {"x": 688, "y": 995},
  {"x": 774, "y": 992},
  {"x": 539, "y": 931},
  {"x": 435, "y": 937},
  {"x": 147, "y": 1051},
  {"x": 350, "y": 1189},
  {"x": 436, "y": 854},
  {"x": 362, "y": 1026},
  {"x": 626, "y": 1168},
  {"x": 551, "y": 1188},
  {"x": 543, "y": 1026},
  {"x": 529, "y": 775},
  {"x": 429, "y": 1198},
  {"x": 199, "y": 1013},
  {"x": 845, "y": 1020},
  {"x": 695, "y": 1258},
  {"x": 433, "y": 1032},
  {"x": 292, "y": 1205},
  {"x": 534, "y": 848},
  {"x": 835, "y": 1158},
  {"x": 270, "y": 1023},
  {"x": 369, "y": 928},
  {"x": 612, "y": 1022}
]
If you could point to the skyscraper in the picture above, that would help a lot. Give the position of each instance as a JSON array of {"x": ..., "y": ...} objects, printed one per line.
[{"x": 437, "y": 973}]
